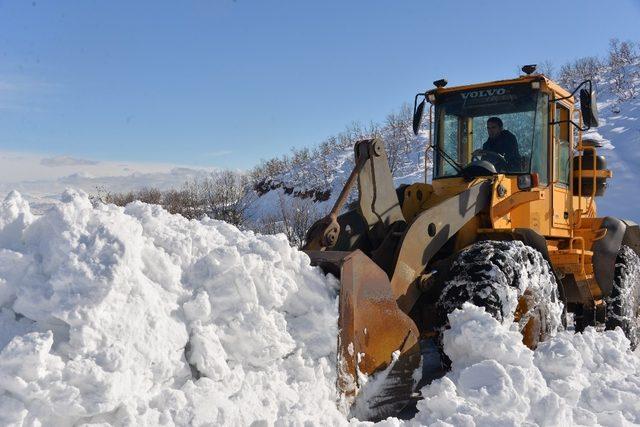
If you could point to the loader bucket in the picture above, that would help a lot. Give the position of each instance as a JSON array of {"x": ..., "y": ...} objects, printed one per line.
[{"x": 375, "y": 337}]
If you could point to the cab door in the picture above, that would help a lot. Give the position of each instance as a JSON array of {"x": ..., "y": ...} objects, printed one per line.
[{"x": 562, "y": 138}]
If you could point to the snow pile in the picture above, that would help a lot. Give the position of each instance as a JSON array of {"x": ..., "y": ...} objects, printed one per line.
[
  {"x": 135, "y": 316},
  {"x": 573, "y": 379}
]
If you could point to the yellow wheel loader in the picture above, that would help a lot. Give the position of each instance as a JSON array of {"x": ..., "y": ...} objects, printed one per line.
[{"x": 513, "y": 181}]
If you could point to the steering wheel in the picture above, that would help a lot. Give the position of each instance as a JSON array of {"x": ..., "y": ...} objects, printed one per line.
[{"x": 497, "y": 159}]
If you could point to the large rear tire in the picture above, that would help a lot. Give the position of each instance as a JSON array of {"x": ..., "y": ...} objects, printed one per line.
[
  {"x": 622, "y": 304},
  {"x": 512, "y": 281}
]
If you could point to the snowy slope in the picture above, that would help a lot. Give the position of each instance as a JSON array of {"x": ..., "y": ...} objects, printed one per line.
[
  {"x": 329, "y": 172},
  {"x": 619, "y": 130},
  {"x": 133, "y": 316}
]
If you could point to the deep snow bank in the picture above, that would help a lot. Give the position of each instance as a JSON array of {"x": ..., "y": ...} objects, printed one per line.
[
  {"x": 573, "y": 379},
  {"x": 135, "y": 316}
]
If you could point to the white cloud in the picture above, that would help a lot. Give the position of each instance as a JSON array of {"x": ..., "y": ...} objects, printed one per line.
[
  {"x": 66, "y": 161},
  {"x": 218, "y": 153},
  {"x": 42, "y": 178}
]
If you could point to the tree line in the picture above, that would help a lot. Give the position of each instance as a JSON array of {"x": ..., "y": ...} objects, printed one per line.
[
  {"x": 619, "y": 68},
  {"x": 225, "y": 195}
]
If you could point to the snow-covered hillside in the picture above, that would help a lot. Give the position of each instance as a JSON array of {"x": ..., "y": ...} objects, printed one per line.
[
  {"x": 133, "y": 316},
  {"x": 619, "y": 130},
  {"x": 318, "y": 175}
]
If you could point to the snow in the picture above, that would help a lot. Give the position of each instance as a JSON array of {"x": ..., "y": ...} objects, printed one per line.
[
  {"x": 619, "y": 133},
  {"x": 587, "y": 379},
  {"x": 369, "y": 388},
  {"x": 133, "y": 316}
]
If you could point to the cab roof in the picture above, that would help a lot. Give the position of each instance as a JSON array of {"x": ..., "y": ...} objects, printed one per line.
[{"x": 544, "y": 80}]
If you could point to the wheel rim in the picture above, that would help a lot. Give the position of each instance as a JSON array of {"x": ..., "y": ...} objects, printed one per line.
[{"x": 533, "y": 330}]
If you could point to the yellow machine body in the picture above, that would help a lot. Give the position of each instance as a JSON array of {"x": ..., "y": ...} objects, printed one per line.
[
  {"x": 387, "y": 250},
  {"x": 568, "y": 222}
]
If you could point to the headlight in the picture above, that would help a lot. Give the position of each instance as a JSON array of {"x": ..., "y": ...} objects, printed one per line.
[{"x": 526, "y": 182}]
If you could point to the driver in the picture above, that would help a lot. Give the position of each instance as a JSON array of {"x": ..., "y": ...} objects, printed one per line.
[{"x": 503, "y": 142}]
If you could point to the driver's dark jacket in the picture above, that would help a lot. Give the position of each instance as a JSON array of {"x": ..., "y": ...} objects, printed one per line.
[{"x": 507, "y": 145}]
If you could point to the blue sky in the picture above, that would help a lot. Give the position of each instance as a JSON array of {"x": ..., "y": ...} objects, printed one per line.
[{"x": 226, "y": 83}]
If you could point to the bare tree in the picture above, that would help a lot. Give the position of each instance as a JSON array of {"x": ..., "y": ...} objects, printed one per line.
[
  {"x": 573, "y": 73},
  {"x": 186, "y": 201},
  {"x": 226, "y": 196},
  {"x": 398, "y": 136},
  {"x": 352, "y": 134},
  {"x": 547, "y": 68},
  {"x": 269, "y": 224},
  {"x": 147, "y": 195},
  {"x": 622, "y": 61},
  {"x": 324, "y": 159},
  {"x": 270, "y": 168},
  {"x": 296, "y": 217},
  {"x": 589, "y": 68}
]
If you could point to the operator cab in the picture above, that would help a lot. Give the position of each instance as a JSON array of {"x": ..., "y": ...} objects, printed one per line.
[
  {"x": 502, "y": 127},
  {"x": 484, "y": 131},
  {"x": 527, "y": 133}
]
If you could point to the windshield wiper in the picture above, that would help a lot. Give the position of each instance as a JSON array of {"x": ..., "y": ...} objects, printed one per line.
[{"x": 448, "y": 158}]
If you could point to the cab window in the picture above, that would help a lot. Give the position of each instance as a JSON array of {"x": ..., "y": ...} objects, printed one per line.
[
  {"x": 461, "y": 125},
  {"x": 561, "y": 145}
]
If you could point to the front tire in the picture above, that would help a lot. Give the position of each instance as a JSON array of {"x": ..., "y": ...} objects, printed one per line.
[
  {"x": 622, "y": 304},
  {"x": 512, "y": 281}
]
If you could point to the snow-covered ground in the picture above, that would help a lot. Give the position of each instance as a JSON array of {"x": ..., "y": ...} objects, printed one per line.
[
  {"x": 133, "y": 316},
  {"x": 586, "y": 379}
]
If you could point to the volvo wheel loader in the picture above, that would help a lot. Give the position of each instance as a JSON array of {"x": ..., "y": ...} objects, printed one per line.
[{"x": 402, "y": 253}]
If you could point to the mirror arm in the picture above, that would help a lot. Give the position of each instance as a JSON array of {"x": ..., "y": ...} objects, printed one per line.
[
  {"x": 587, "y": 127},
  {"x": 573, "y": 123},
  {"x": 588, "y": 81},
  {"x": 578, "y": 126},
  {"x": 444, "y": 155}
]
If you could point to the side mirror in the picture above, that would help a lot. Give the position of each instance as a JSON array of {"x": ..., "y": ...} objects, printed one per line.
[
  {"x": 588, "y": 107},
  {"x": 417, "y": 115}
]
